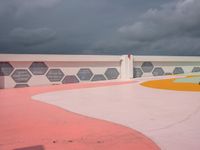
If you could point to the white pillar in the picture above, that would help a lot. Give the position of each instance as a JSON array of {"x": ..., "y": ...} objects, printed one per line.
[
  {"x": 130, "y": 66},
  {"x": 126, "y": 67}
]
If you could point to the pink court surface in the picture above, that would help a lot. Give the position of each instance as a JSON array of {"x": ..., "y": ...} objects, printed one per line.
[{"x": 133, "y": 115}]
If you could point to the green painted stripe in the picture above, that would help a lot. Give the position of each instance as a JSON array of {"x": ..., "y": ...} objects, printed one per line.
[{"x": 188, "y": 80}]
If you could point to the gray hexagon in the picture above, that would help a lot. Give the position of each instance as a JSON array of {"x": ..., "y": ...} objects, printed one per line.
[
  {"x": 55, "y": 75},
  {"x": 21, "y": 85},
  {"x": 178, "y": 70},
  {"x": 196, "y": 69},
  {"x": 111, "y": 73},
  {"x": 38, "y": 68},
  {"x": 84, "y": 74},
  {"x": 168, "y": 73},
  {"x": 70, "y": 79},
  {"x": 5, "y": 68},
  {"x": 98, "y": 77},
  {"x": 137, "y": 72},
  {"x": 147, "y": 66},
  {"x": 21, "y": 76},
  {"x": 158, "y": 71}
]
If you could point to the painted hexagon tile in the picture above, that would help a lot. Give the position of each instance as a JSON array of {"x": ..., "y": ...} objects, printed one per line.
[
  {"x": 178, "y": 70},
  {"x": 70, "y": 79},
  {"x": 55, "y": 75},
  {"x": 137, "y": 72},
  {"x": 196, "y": 69},
  {"x": 84, "y": 74},
  {"x": 21, "y": 76},
  {"x": 98, "y": 77},
  {"x": 111, "y": 73},
  {"x": 158, "y": 71},
  {"x": 38, "y": 68},
  {"x": 147, "y": 66},
  {"x": 5, "y": 68},
  {"x": 168, "y": 73},
  {"x": 21, "y": 85}
]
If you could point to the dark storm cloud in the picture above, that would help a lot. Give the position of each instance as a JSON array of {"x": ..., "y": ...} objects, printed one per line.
[
  {"x": 19, "y": 7},
  {"x": 31, "y": 37},
  {"x": 100, "y": 27},
  {"x": 174, "y": 19},
  {"x": 175, "y": 28},
  {"x": 16, "y": 30}
]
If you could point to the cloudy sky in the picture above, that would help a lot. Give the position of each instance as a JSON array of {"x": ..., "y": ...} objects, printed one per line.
[{"x": 149, "y": 27}]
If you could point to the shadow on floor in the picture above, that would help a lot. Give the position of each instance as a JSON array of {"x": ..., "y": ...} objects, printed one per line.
[{"x": 37, "y": 147}]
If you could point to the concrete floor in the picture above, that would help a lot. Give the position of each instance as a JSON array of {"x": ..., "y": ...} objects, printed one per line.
[
  {"x": 170, "y": 118},
  {"x": 27, "y": 124}
]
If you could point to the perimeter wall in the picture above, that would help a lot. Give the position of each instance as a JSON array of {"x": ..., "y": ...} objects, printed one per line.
[{"x": 22, "y": 70}]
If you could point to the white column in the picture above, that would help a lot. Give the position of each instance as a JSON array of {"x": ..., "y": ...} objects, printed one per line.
[
  {"x": 130, "y": 66},
  {"x": 126, "y": 67}
]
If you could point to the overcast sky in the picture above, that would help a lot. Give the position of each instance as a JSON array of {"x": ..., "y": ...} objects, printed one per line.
[{"x": 150, "y": 27}]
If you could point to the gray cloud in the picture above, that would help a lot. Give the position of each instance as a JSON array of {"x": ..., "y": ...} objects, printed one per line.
[
  {"x": 19, "y": 7},
  {"x": 100, "y": 27},
  {"x": 31, "y": 37},
  {"x": 173, "y": 27},
  {"x": 174, "y": 19}
]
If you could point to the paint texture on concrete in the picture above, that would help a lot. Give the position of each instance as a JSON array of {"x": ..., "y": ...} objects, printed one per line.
[
  {"x": 31, "y": 124},
  {"x": 170, "y": 118},
  {"x": 193, "y": 79},
  {"x": 181, "y": 84}
]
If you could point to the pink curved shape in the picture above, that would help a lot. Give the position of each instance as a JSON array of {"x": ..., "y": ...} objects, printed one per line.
[{"x": 26, "y": 123}]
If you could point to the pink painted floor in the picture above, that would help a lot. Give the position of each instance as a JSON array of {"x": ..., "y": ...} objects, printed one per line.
[
  {"x": 113, "y": 116},
  {"x": 27, "y": 124}
]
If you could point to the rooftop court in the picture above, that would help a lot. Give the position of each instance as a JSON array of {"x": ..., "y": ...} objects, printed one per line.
[{"x": 161, "y": 111}]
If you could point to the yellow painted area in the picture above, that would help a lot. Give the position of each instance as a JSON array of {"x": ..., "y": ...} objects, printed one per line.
[
  {"x": 193, "y": 76},
  {"x": 168, "y": 84}
]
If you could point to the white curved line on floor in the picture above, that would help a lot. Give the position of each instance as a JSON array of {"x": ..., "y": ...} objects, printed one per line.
[{"x": 170, "y": 118}]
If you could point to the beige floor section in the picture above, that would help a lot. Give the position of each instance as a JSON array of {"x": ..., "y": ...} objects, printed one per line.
[{"x": 170, "y": 118}]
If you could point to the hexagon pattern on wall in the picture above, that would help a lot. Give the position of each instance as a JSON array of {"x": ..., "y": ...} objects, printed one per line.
[
  {"x": 147, "y": 67},
  {"x": 5, "y": 68},
  {"x": 137, "y": 72},
  {"x": 21, "y": 76},
  {"x": 70, "y": 79},
  {"x": 84, "y": 74},
  {"x": 111, "y": 73},
  {"x": 21, "y": 85},
  {"x": 196, "y": 69},
  {"x": 55, "y": 75},
  {"x": 168, "y": 73},
  {"x": 178, "y": 70},
  {"x": 98, "y": 77},
  {"x": 158, "y": 71},
  {"x": 38, "y": 68}
]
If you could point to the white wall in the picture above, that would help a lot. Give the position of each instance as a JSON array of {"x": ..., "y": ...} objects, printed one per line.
[
  {"x": 145, "y": 66},
  {"x": 36, "y": 70},
  {"x": 18, "y": 70}
]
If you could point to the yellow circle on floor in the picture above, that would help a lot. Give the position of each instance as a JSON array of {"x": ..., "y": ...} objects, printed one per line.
[{"x": 171, "y": 84}]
